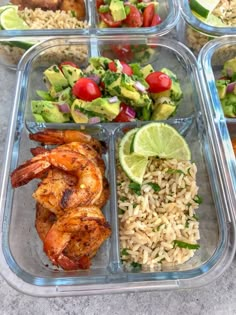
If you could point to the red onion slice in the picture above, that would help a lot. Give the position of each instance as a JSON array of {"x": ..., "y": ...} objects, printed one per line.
[
  {"x": 113, "y": 99},
  {"x": 95, "y": 78},
  {"x": 230, "y": 87},
  {"x": 139, "y": 86},
  {"x": 94, "y": 120},
  {"x": 64, "y": 108}
]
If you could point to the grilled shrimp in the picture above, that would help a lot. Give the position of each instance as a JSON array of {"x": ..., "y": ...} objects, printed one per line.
[
  {"x": 53, "y": 136},
  {"x": 44, "y": 220},
  {"x": 88, "y": 187},
  {"x": 80, "y": 147},
  {"x": 75, "y": 237}
]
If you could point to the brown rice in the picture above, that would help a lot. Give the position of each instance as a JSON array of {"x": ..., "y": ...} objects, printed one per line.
[{"x": 151, "y": 223}]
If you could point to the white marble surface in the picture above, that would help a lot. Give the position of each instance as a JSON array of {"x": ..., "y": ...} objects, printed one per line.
[{"x": 218, "y": 298}]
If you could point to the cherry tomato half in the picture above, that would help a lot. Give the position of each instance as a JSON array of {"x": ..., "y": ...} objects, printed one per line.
[
  {"x": 125, "y": 67},
  {"x": 108, "y": 19},
  {"x": 148, "y": 14},
  {"x": 123, "y": 52},
  {"x": 124, "y": 115},
  {"x": 158, "y": 82},
  {"x": 134, "y": 18},
  {"x": 156, "y": 20},
  {"x": 69, "y": 63},
  {"x": 86, "y": 89}
]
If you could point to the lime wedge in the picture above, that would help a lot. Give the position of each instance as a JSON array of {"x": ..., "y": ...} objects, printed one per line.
[
  {"x": 162, "y": 140},
  {"x": 10, "y": 20},
  {"x": 203, "y": 7},
  {"x": 210, "y": 20},
  {"x": 133, "y": 164},
  {"x": 4, "y": 7}
]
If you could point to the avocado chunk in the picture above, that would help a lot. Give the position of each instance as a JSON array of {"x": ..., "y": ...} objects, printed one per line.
[
  {"x": 221, "y": 86},
  {"x": 123, "y": 86},
  {"x": 147, "y": 70},
  {"x": 100, "y": 106},
  {"x": 163, "y": 111},
  {"x": 229, "y": 105},
  {"x": 65, "y": 96},
  {"x": 98, "y": 62},
  {"x": 229, "y": 67},
  {"x": 45, "y": 95},
  {"x": 175, "y": 90},
  {"x": 72, "y": 74},
  {"x": 55, "y": 77},
  {"x": 117, "y": 10},
  {"x": 48, "y": 111},
  {"x": 76, "y": 114}
]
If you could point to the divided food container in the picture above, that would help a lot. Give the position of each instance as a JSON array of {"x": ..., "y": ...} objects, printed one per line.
[
  {"x": 22, "y": 260},
  {"x": 194, "y": 33},
  {"x": 211, "y": 60},
  {"x": 12, "y": 46}
]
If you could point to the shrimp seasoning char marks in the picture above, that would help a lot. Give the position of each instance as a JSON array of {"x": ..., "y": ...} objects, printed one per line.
[{"x": 69, "y": 197}]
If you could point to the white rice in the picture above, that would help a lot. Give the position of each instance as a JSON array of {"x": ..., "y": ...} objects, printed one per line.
[{"x": 150, "y": 224}]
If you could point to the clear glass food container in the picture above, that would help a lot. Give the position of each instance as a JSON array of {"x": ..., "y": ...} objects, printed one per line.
[
  {"x": 194, "y": 33},
  {"x": 13, "y": 43},
  {"x": 23, "y": 262}
]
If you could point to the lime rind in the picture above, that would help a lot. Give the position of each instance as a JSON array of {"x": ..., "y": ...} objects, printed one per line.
[
  {"x": 203, "y": 7},
  {"x": 134, "y": 165},
  {"x": 162, "y": 140},
  {"x": 10, "y": 20}
]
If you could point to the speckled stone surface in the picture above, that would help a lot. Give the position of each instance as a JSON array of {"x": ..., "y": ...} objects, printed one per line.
[{"x": 217, "y": 298}]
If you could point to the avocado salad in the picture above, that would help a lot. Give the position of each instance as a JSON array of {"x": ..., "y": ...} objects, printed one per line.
[
  {"x": 226, "y": 86},
  {"x": 106, "y": 91},
  {"x": 134, "y": 13}
]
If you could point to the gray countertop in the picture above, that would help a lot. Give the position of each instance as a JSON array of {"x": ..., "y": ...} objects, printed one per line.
[{"x": 218, "y": 297}]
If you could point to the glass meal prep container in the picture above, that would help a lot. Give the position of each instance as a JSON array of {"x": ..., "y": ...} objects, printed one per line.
[
  {"x": 23, "y": 262},
  {"x": 195, "y": 33},
  {"x": 13, "y": 43}
]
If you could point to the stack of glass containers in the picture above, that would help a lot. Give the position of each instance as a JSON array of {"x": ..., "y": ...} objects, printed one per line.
[{"x": 23, "y": 262}]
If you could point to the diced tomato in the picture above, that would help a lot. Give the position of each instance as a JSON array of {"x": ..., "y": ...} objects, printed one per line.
[
  {"x": 148, "y": 14},
  {"x": 124, "y": 115},
  {"x": 156, "y": 20},
  {"x": 99, "y": 3},
  {"x": 123, "y": 52},
  {"x": 125, "y": 67},
  {"x": 158, "y": 82},
  {"x": 134, "y": 18},
  {"x": 86, "y": 89},
  {"x": 69, "y": 63},
  {"x": 108, "y": 19}
]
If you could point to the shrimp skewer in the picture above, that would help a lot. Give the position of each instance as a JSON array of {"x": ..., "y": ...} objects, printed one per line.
[
  {"x": 89, "y": 184},
  {"x": 91, "y": 229},
  {"x": 53, "y": 136}
]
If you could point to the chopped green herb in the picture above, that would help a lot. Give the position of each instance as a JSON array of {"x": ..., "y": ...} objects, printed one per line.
[
  {"x": 55, "y": 69},
  {"x": 187, "y": 223},
  {"x": 123, "y": 198},
  {"x": 73, "y": 13},
  {"x": 136, "y": 266},
  {"x": 157, "y": 228},
  {"x": 121, "y": 211},
  {"x": 198, "y": 199},
  {"x": 195, "y": 217},
  {"x": 173, "y": 171},
  {"x": 154, "y": 186},
  {"x": 188, "y": 171},
  {"x": 135, "y": 205},
  {"x": 136, "y": 188},
  {"x": 124, "y": 252},
  {"x": 182, "y": 244}
]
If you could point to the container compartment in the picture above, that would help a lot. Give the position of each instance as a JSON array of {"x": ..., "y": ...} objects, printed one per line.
[
  {"x": 23, "y": 263},
  {"x": 194, "y": 33},
  {"x": 157, "y": 52}
]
